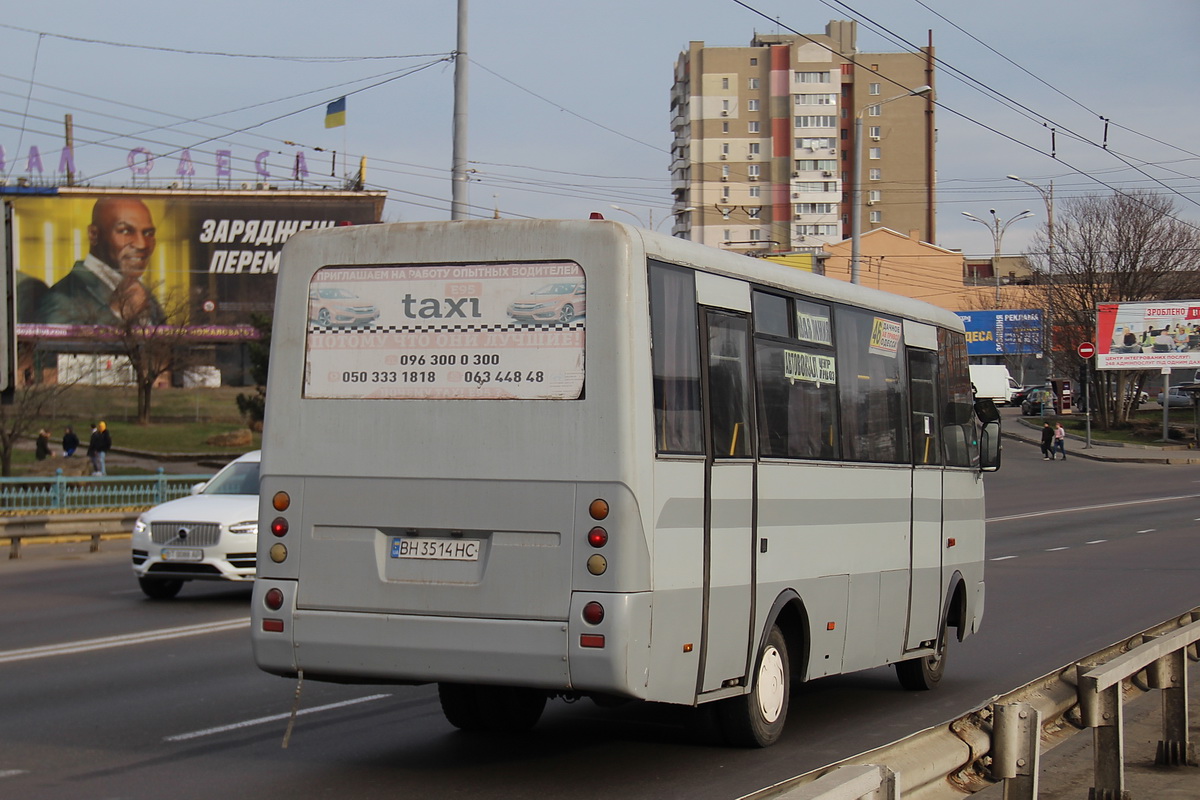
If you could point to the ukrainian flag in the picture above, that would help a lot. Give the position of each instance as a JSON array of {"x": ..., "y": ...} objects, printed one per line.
[{"x": 335, "y": 113}]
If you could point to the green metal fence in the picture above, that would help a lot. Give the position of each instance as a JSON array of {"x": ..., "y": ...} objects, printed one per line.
[{"x": 93, "y": 493}]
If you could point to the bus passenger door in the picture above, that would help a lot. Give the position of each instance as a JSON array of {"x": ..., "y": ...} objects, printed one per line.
[
  {"x": 925, "y": 588},
  {"x": 729, "y": 494}
]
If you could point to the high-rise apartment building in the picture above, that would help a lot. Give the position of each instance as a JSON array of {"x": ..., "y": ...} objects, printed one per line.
[{"x": 764, "y": 147}]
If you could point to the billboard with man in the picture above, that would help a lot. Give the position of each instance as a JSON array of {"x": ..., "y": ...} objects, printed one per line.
[{"x": 205, "y": 259}]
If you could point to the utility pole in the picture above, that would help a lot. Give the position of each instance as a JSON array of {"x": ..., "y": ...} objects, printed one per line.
[{"x": 458, "y": 159}]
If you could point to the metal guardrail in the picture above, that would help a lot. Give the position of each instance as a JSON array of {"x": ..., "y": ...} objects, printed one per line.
[
  {"x": 84, "y": 493},
  {"x": 1002, "y": 740},
  {"x": 93, "y": 526}
]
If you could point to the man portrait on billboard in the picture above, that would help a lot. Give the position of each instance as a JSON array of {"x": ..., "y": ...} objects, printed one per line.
[{"x": 106, "y": 288}]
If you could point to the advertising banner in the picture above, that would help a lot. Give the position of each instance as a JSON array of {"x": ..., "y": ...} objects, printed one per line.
[
  {"x": 1148, "y": 335},
  {"x": 1003, "y": 333},
  {"x": 484, "y": 331},
  {"x": 203, "y": 260}
]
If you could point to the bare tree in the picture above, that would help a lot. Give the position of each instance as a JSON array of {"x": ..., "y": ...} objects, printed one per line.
[
  {"x": 19, "y": 418},
  {"x": 1125, "y": 247}
]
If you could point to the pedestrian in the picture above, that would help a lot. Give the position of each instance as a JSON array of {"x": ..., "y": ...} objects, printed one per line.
[
  {"x": 1060, "y": 442},
  {"x": 1047, "y": 442},
  {"x": 70, "y": 442},
  {"x": 98, "y": 447},
  {"x": 42, "y": 451}
]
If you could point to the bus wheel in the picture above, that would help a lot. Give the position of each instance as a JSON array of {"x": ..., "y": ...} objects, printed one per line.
[
  {"x": 924, "y": 673},
  {"x": 756, "y": 719},
  {"x": 493, "y": 708},
  {"x": 160, "y": 588}
]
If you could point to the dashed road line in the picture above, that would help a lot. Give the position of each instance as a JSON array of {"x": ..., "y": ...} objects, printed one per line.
[
  {"x": 183, "y": 737},
  {"x": 124, "y": 640}
]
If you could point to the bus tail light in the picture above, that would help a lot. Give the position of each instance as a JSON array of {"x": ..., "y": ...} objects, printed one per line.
[
  {"x": 273, "y": 625},
  {"x": 273, "y": 599},
  {"x": 593, "y": 613},
  {"x": 279, "y": 526},
  {"x": 589, "y": 639},
  {"x": 597, "y": 564},
  {"x": 281, "y": 501},
  {"x": 597, "y": 537},
  {"x": 598, "y": 509}
]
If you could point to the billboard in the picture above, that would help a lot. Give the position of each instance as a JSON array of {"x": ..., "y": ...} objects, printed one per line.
[
  {"x": 206, "y": 259},
  {"x": 1003, "y": 333},
  {"x": 1148, "y": 335}
]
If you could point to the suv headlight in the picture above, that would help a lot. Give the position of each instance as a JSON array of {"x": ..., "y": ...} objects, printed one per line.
[
  {"x": 140, "y": 527},
  {"x": 245, "y": 527}
]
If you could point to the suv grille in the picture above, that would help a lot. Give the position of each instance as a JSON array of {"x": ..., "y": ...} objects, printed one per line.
[{"x": 196, "y": 534}]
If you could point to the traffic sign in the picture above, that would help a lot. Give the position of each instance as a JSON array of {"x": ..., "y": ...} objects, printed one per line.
[{"x": 1086, "y": 350}]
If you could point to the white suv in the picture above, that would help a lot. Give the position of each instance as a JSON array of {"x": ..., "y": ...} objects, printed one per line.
[{"x": 212, "y": 535}]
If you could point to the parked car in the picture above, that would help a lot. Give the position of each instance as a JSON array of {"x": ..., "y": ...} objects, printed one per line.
[
  {"x": 1019, "y": 395},
  {"x": 1034, "y": 401},
  {"x": 1176, "y": 397},
  {"x": 211, "y": 535}
]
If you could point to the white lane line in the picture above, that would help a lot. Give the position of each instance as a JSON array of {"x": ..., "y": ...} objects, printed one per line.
[
  {"x": 1097, "y": 541},
  {"x": 183, "y": 737},
  {"x": 124, "y": 640},
  {"x": 12, "y": 773},
  {"x": 1003, "y": 558},
  {"x": 1092, "y": 508},
  {"x": 1056, "y": 549},
  {"x": 1148, "y": 530}
]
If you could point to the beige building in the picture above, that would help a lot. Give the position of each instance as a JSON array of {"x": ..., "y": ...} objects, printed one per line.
[{"x": 764, "y": 141}]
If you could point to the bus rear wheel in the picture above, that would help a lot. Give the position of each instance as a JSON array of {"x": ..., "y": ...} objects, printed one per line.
[
  {"x": 470, "y": 707},
  {"x": 925, "y": 673},
  {"x": 756, "y": 719}
]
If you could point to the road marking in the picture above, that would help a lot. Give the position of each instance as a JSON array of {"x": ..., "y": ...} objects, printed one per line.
[
  {"x": 1003, "y": 558},
  {"x": 124, "y": 640},
  {"x": 12, "y": 773},
  {"x": 1056, "y": 549},
  {"x": 1091, "y": 508},
  {"x": 1097, "y": 541},
  {"x": 183, "y": 737},
  {"x": 1148, "y": 530}
]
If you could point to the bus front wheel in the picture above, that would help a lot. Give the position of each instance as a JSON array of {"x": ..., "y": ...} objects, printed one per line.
[
  {"x": 756, "y": 719},
  {"x": 470, "y": 707},
  {"x": 925, "y": 673}
]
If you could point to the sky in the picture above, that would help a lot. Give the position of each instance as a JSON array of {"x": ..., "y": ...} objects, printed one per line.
[{"x": 569, "y": 102}]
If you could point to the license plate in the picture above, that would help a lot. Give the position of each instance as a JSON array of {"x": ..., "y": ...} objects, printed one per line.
[
  {"x": 182, "y": 554},
  {"x": 436, "y": 549}
]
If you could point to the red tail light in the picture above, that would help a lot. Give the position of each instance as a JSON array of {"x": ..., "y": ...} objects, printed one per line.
[
  {"x": 597, "y": 537},
  {"x": 279, "y": 526},
  {"x": 593, "y": 613}
]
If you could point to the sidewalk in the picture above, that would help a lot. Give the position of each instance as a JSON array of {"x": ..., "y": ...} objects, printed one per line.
[
  {"x": 1029, "y": 432},
  {"x": 1067, "y": 771}
]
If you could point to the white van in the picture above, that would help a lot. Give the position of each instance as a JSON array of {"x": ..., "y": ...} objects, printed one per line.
[{"x": 993, "y": 382}]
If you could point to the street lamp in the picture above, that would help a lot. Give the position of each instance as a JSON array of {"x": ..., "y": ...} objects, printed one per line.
[
  {"x": 856, "y": 189},
  {"x": 651, "y": 225},
  {"x": 1048, "y": 198},
  {"x": 998, "y": 228}
]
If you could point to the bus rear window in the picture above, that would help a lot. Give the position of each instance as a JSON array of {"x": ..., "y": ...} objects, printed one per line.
[{"x": 511, "y": 331}]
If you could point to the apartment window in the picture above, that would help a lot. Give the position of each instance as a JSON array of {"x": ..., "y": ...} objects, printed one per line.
[
  {"x": 755, "y": 149},
  {"x": 724, "y": 105},
  {"x": 816, "y": 121},
  {"x": 724, "y": 127},
  {"x": 815, "y": 186},
  {"x": 874, "y": 88},
  {"x": 752, "y": 105},
  {"x": 725, "y": 148},
  {"x": 724, "y": 170},
  {"x": 728, "y": 235},
  {"x": 754, "y": 212},
  {"x": 874, "y": 111},
  {"x": 754, "y": 170},
  {"x": 724, "y": 192},
  {"x": 876, "y": 216},
  {"x": 816, "y": 99},
  {"x": 754, "y": 62},
  {"x": 874, "y": 195},
  {"x": 874, "y": 131},
  {"x": 873, "y": 153},
  {"x": 755, "y": 235},
  {"x": 815, "y": 230},
  {"x": 814, "y": 208},
  {"x": 816, "y": 143},
  {"x": 875, "y": 174},
  {"x": 811, "y": 77},
  {"x": 809, "y": 164},
  {"x": 724, "y": 83},
  {"x": 753, "y": 127},
  {"x": 755, "y": 191},
  {"x": 752, "y": 83}
]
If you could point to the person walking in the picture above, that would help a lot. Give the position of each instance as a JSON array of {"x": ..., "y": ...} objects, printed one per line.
[
  {"x": 98, "y": 447},
  {"x": 1060, "y": 442},
  {"x": 1047, "y": 442},
  {"x": 42, "y": 451}
]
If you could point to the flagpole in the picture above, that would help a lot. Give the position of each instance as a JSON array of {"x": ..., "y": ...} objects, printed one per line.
[{"x": 458, "y": 159}]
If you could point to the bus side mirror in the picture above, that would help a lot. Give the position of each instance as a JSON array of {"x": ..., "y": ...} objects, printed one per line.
[
  {"x": 989, "y": 446},
  {"x": 986, "y": 411}
]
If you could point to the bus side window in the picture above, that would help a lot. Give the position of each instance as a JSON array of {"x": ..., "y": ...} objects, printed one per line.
[{"x": 729, "y": 386}]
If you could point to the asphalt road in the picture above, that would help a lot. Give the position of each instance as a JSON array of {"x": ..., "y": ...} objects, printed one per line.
[{"x": 1081, "y": 554}]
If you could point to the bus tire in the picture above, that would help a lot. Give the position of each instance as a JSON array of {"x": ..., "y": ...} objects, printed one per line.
[
  {"x": 493, "y": 708},
  {"x": 756, "y": 719},
  {"x": 160, "y": 588},
  {"x": 925, "y": 673}
]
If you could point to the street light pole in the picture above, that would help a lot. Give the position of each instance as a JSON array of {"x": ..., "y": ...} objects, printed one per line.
[
  {"x": 650, "y": 225},
  {"x": 856, "y": 179},
  {"x": 997, "y": 228},
  {"x": 1048, "y": 199}
]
